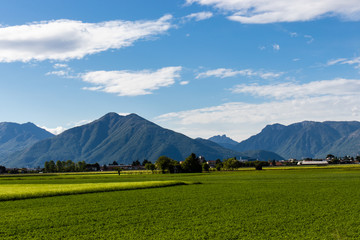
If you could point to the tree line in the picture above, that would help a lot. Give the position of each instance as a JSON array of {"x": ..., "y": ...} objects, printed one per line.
[{"x": 70, "y": 166}]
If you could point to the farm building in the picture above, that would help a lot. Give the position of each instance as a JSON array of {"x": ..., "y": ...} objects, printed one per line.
[{"x": 312, "y": 162}]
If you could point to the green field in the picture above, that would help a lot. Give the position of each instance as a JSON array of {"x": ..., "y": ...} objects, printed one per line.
[{"x": 278, "y": 203}]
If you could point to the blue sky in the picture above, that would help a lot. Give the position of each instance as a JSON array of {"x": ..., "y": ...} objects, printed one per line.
[{"x": 199, "y": 67}]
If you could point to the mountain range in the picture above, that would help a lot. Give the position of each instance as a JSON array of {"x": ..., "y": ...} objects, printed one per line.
[
  {"x": 306, "y": 139},
  {"x": 117, "y": 138},
  {"x": 125, "y": 139}
]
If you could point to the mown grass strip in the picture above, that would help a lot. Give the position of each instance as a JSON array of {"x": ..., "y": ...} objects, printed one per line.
[{"x": 25, "y": 191}]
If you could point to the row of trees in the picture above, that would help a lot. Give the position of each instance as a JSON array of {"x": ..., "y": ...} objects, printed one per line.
[
  {"x": 232, "y": 163},
  {"x": 192, "y": 164},
  {"x": 70, "y": 166}
]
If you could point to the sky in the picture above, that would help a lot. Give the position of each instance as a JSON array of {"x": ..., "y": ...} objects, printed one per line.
[{"x": 198, "y": 67}]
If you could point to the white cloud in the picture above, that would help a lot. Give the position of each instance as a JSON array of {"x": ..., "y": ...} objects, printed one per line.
[
  {"x": 55, "y": 131},
  {"x": 354, "y": 61},
  {"x": 60, "y": 73},
  {"x": 270, "y": 11},
  {"x": 241, "y": 120},
  {"x": 227, "y": 72},
  {"x": 65, "y": 72},
  {"x": 131, "y": 83},
  {"x": 184, "y": 82},
  {"x": 69, "y": 39},
  {"x": 60, "y": 129},
  {"x": 276, "y": 47},
  {"x": 337, "y": 100},
  {"x": 337, "y": 87},
  {"x": 60, "y": 65},
  {"x": 198, "y": 16},
  {"x": 309, "y": 38}
]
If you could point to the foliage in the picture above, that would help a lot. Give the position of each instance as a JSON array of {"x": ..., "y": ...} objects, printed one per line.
[
  {"x": 136, "y": 163},
  {"x": 231, "y": 164},
  {"x": 145, "y": 162},
  {"x": 258, "y": 166},
  {"x": 167, "y": 164},
  {"x": 192, "y": 164},
  {"x": 205, "y": 167},
  {"x": 2, "y": 169},
  {"x": 150, "y": 166},
  {"x": 65, "y": 166}
]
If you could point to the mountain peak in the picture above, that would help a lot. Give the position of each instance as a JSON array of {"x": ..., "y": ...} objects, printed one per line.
[
  {"x": 223, "y": 139},
  {"x": 111, "y": 115}
]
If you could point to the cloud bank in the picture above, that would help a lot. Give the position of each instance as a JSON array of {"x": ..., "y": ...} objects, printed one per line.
[
  {"x": 336, "y": 100},
  {"x": 69, "y": 39},
  {"x": 227, "y": 72},
  {"x": 131, "y": 83},
  {"x": 271, "y": 11},
  {"x": 337, "y": 87}
]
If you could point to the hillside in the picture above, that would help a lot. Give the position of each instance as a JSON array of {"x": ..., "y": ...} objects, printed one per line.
[
  {"x": 306, "y": 139},
  {"x": 261, "y": 155},
  {"x": 16, "y": 137},
  {"x": 117, "y": 138}
]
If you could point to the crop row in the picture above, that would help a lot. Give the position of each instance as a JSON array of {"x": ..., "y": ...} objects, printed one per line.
[{"x": 24, "y": 191}]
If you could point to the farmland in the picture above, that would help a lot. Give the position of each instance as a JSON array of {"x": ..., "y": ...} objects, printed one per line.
[{"x": 276, "y": 203}]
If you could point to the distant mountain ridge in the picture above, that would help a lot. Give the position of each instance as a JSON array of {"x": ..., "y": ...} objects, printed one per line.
[
  {"x": 16, "y": 137},
  {"x": 261, "y": 155},
  {"x": 117, "y": 138},
  {"x": 224, "y": 141},
  {"x": 307, "y": 139}
]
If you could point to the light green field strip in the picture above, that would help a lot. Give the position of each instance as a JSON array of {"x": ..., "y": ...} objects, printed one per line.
[{"x": 24, "y": 191}]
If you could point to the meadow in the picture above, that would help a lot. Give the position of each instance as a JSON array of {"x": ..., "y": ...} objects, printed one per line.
[{"x": 276, "y": 203}]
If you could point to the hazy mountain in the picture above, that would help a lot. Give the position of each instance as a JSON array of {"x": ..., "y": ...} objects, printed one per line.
[
  {"x": 117, "y": 138},
  {"x": 15, "y": 137},
  {"x": 263, "y": 155},
  {"x": 306, "y": 139},
  {"x": 223, "y": 141}
]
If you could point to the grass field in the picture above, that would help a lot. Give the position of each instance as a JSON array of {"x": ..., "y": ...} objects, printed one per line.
[{"x": 285, "y": 203}]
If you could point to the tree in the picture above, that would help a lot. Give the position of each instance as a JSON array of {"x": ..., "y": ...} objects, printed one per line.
[
  {"x": 115, "y": 163},
  {"x": 59, "y": 166},
  {"x": 145, "y": 162},
  {"x": 105, "y": 168},
  {"x": 205, "y": 167},
  {"x": 273, "y": 162},
  {"x": 150, "y": 166},
  {"x": 163, "y": 163},
  {"x": 258, "y": 166},
  {"x": 80, "y": 166},
  {"x": 191, "y": 164},
  {"x": 135, "y": 163},
  {"x": 218, "y": 166},
  {"x": 2, "y": 169},
  {"x": 69, "y": 166},
  {"x": 231, "y": 163},
  {"x": 50, "y": 166}
]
